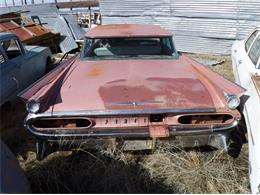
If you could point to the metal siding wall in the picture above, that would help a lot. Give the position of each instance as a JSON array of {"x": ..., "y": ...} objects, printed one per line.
[
  {"x": 200, "y": 26},
  {"x": 29, "y": 2}
]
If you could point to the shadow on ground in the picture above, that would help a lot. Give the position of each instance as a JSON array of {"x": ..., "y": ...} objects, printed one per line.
[{"x": 84, "y": 172}]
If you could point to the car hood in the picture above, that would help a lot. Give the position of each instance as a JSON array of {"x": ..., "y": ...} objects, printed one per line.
[{"x": 135, "y": 84}]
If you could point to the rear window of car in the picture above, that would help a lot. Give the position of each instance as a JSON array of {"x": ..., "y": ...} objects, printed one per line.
[
  {"x": 254, "y": 52},
  {"x": 129, "y": 47},
  {"x": 250, "y": 40}
]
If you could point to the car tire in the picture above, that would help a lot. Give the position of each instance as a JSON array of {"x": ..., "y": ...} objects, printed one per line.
[{"x": 237, "y": 139}]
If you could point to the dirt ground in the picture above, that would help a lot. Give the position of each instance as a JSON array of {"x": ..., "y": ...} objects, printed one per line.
[{"x": 162, "y": 171}]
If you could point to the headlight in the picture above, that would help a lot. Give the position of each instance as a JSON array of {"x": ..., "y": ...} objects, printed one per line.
[
  {"x": 233, "y": 101},
  {"x": 33, "y": 106}
]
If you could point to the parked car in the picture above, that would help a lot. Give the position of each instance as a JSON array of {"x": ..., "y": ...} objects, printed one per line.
[
  {"x": 20, "y": 66},
  {"x": 130, "y": 85},
  {"x": 246, "y": 68}
]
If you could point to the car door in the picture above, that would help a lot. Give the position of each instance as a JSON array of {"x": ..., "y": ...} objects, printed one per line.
[
  {"x": 9, "y": 83},
  {"x": 20, "y": 66}
]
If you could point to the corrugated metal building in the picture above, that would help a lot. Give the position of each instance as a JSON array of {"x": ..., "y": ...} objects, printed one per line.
[
  {"x": 200, "y": 26},
  {"x": 5, "y": 3}
]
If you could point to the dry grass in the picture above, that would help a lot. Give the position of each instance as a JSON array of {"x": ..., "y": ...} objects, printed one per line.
[
  {"x": 225, "y": 68},
  {"x": 163, "y": 171},
  {"x": 196, "y": 172}
]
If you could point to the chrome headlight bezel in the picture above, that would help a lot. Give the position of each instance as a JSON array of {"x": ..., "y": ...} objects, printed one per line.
[
  {"x": 233, "y": 101},
  {"x": 33, "y": 106}
]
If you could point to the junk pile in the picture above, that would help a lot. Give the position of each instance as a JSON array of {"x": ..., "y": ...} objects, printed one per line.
[
  {"x": 28, "y": 31},
  {"x": 33, "y": 23}
]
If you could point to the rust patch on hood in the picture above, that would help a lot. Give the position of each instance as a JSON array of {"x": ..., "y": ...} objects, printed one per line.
[
  {"x": 155, "y": 92},
  {"x": 96, "y": 70}
]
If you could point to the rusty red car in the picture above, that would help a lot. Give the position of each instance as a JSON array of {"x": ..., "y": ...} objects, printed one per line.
[{"x": 130, "y": 85}]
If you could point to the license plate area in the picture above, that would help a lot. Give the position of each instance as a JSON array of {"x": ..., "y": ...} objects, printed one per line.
[
  {"x": 159, "y": 131},
  {"x": 135, "y": 145}
]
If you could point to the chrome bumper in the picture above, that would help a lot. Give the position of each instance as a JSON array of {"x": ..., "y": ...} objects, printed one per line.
[{"x": 180, "y": 130}]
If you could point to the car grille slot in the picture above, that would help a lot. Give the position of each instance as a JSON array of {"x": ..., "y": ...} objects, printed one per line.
[
  {"x": 205, "y": 119},
  {"x": 61, "y": 123}
]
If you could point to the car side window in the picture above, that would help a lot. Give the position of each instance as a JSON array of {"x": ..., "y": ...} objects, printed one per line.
[
  {"x": 250, "y": 40},
  {"x": 12, "y": 48},
  {"x": 254, "y": 52},
  {"x": 2, "y": 59}
]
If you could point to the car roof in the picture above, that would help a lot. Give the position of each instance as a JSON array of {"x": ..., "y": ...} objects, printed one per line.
[
  {"x": 7, "y": 35},
  {"x": 127, "y": 30}
]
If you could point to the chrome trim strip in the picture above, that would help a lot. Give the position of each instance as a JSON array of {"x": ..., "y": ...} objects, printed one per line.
[
  {"x": 173, "y": 132},
  {"x": 136, "y": 103},
  {"x": 125, "y": 112},
  {"x": 210, "y": 129}
]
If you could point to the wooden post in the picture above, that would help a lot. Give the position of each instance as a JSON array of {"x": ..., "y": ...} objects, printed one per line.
[
  {"x": 89, "y": 9},
  {"x": 5, "y": 3},
  {"x": 32, "y": 1},
  {"x": 13, "y": 3},
  {"x": 25, "y": 2}
]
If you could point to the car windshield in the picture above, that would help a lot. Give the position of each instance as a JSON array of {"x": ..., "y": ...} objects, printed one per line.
[{"x": 118, "y": 48}]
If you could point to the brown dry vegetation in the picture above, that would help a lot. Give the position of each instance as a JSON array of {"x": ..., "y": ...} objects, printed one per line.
[
  {"x": 163, "y": 171},
  {"x": 225, "y": 68}
]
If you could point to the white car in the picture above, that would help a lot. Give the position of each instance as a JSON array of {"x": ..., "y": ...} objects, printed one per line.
[{"x": 246, "y": 68}]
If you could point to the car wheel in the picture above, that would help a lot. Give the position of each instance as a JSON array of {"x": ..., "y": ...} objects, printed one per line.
[{"x": 237, "y": 139}]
